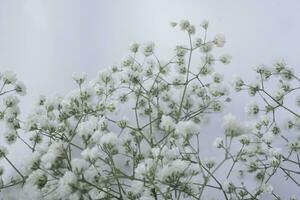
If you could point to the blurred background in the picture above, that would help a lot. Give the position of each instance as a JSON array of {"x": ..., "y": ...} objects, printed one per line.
[{"x": 45, "y": 41}]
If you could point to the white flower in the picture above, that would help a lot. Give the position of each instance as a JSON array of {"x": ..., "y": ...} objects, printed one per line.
[
  {"x": 31, "y": 192},
  {"x": 228, "y": 186},
  {"x": 208, "y": 60},
  {"x": 91, "y": 154},
  {"x": 136, "y": 187},
  {"x": 232, "y": 126},
  {"x": 80, "y": 78},
  {"x": 87, "y": 128},
  {"x": 198, "y": 42},
  {"x": 191, "y": 30},
  {"x": 104, "y": 76},
  {"x": 144, "y": 167},
  {"x": 173, "y": 169},
  {"x": 252, "y": 109},
  {"x": 67, "y": 184},
  {"x": 279, "y": 65},
  {"x": 209, "y": 162},
  {"x": 54, "y": 154},
  {"x": 141, "y": 170},
  {"x": 20, "y": 88},
  {"x": 167, "y": 123},
  {"x": 206, "y": 47},
  {"x": 204, "y": 24},
  {"x": 184, "y": 24},
  {"x": 33, "y": 161},
  {"x": 10, "y": 101},
  {"x": 38, "y": 178},
  {"x": 238, "y": 83},
  {"x": 79, "y": 165},
  {"x": 9, "y": 77},
  {"x": 96, "y": 137},
  {"x": 268, "y": 137},
  {"x": 218, "y": 142},
  {"x": 186, "y": 128},
  {"x": 218, "y": 89},
  {"x": 10, "y": 136},
  {"x": 109, "y": 138},
  {"x": 219, "y": 40},
  {"x": 275, "y": 152},
  {"x": 134, "y": 47},
  {"x": 172, "y": 153},
  {"x": 218, "y": 78},
  {"x": 225, "y": 59},
  {"x": 245, "y": 139},
  {"x": 149, "y": 49}
]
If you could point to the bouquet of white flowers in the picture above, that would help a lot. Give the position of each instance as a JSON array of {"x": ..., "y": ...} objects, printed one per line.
[{"x": 134, "y": 131}]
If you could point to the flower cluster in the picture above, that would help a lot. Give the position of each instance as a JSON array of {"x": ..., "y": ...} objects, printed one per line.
[{"x": 82, "y": 149}]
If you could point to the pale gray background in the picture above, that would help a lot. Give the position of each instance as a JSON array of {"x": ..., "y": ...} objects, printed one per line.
[{"x": 44, "y": 41}]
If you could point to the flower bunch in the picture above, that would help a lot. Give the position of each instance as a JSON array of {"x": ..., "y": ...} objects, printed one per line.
[{"x": 83, "y": 148}]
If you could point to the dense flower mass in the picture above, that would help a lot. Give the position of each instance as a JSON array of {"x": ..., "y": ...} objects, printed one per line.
[{"x": 83, "y": 147}]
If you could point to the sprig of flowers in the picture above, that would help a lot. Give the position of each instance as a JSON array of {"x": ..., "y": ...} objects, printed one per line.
[{"x": 82, "y": 148}]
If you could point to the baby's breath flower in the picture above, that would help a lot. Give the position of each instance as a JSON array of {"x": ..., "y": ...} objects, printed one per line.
[
  {"x": 10, "y": 136},
  {"x": 268, "y": 137},
  {"x": 204, "y": 24},
  {"x": 10, "y": 101},
  {"x": 245, "y": 139},
  {"x": 38, "y": 178},
  {"x": 134, "y": 47},
  {"x": 9, "y": 77},
  {"x": 295, "y": 146},
  {"x": 218, "y": 142},
  {"x": 205, "y": 70},
  {"x": 167, "y": 123},
  {"x": 149, "y": 49},
  {"x": 209, "y": 162},
  {"x": 191, "y": 30},
  {"x": 79, "y": 78},
  {"x": 122, "y": 123},
  {"x": 252, "y": 109},
  {"x": 198, "y": 42},
  {"x": 79, "y": 165},
  {"x": 219, "y": 40},
  {"x": 279, "y": 65},
  {"x": 208, "y": 60},
  {"x": 184, "y": 25},
  {"x": 207, "y": 47},
  {"x": 225, "y": 59},
  {"x": 83, "y": 149},
  {"x": 186, "y": 128},
  {"x": 20, "y": 88},
  {"x": 228, "y": 186},
  {"x": 231, "y": 126},
  {"x": 218, "y": 78},
  {"x": 68, "y": 184},
  {"x": 238, "y": 84},
  {"x": 253, "y": 89},
  {"x": 287, "y": 74}
]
